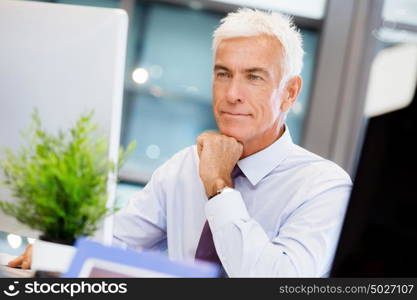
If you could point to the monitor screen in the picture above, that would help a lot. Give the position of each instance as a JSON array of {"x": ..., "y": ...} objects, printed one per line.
[
  {"x": 64, "y": 60},
  {"x": 379, "y": 236}
]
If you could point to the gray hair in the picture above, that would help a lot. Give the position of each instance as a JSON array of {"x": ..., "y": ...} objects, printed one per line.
[{"x": 252, "y": 22}]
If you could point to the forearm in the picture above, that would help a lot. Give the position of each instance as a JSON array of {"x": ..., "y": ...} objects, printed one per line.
[
  {"x": 142, "y": 222},
  {"x": 303, "y": 247},
  {"x": 242, "y": 245}
]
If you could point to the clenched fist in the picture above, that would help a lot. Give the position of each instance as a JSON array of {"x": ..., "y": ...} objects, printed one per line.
[{"x": 218, "y": 156}]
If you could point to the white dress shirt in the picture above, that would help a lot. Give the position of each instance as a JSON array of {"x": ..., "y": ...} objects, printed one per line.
[{"x": 282, "y": 219}]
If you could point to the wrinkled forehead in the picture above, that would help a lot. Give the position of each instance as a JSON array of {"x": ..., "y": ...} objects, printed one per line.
[{"x": 245, "y": 52}]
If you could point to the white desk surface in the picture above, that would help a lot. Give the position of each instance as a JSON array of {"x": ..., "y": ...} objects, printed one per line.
[{"x": 12, "y": 272}]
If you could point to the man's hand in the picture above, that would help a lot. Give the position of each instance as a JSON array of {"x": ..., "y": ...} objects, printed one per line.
[
  {"x": 218, "y": 156},
  {"x": 24, "y": 260}
]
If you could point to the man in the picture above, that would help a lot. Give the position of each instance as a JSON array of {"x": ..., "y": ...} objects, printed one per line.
[{"x": 247, "y": 197}]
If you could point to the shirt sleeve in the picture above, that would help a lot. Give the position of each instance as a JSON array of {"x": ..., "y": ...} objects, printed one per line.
[
  {"x": 142, "y": 222},
  {"x": 304, "y": 245}
]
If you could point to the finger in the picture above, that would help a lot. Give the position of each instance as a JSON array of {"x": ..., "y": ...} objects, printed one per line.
[
  {"x": 233, "y": 139},
  {"x": 208, "y": 134},
  {"x": 240, "y": 145},
  {"x": 200, "y": 143},
  {"x": 25, "y": 265},
  {"x": 200, "y": 139},
  {"x": 29, "y": 256},
  {"x": 29, "y": 252},
  {"x": 199, "y": 149},
  {"x": 15, "y": 262}
]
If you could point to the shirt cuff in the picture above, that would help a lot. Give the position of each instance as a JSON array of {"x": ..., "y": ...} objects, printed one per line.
[{"x": 225, "y": 208}]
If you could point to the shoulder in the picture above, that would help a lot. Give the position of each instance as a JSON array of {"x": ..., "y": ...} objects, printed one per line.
[
  {"x": 316, "y": 179},
  {"x": 182, "y": 161},
  {"x": 183, "y": 155},
  {"x": 317, "y": 167}
]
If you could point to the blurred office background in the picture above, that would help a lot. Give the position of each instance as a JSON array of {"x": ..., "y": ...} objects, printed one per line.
[{"x": 167, "y": 98}]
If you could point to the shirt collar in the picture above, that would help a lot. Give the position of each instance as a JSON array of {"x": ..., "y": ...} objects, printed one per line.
[{"x": 258, "y": 165}]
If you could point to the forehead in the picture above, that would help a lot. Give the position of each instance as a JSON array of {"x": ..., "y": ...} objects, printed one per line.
[{"x": 254, "y": 51}]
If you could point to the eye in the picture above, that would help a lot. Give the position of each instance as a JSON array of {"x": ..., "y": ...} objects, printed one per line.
[
  {"x": 222, "y": 75},
  {"x": 254, "y": 77}
]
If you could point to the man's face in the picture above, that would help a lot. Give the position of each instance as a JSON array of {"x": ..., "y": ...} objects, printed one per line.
[{"x": 247, "y": 74}]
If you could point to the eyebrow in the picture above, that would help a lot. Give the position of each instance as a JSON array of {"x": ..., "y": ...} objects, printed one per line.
[
  {"x": 220, "y": 67},
  {"x": 257, "y": 70},
  {"x": 250, "y": 70}
]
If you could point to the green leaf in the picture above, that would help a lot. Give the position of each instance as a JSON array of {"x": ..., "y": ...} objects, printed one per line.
[{"x": 60, "y": 180}]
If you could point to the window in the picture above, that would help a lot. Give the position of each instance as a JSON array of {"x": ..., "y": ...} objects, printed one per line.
[
  {"x": 394, "y": 73},
  {"x": 167, "y": 101},
  {"x": 314, "y": 9},
  {"x": 167, "y": 112}
]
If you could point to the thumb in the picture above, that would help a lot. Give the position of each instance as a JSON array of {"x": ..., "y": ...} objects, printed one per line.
[{"x": 200, "y": 142}]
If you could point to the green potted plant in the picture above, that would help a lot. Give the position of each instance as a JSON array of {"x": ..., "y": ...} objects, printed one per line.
[{"x": 60, "y": 180}]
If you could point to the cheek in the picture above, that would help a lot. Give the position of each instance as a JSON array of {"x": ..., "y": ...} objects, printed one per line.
[
  {"x": 265, "y": 105},
  {"x": 215, "y": 100},
  {"x": 274, "y": 104},
  {"x": 217, "y": 93},
  {"x": 265, "y": 114}
]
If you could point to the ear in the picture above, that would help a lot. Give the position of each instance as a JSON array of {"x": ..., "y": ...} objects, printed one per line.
[{"x": 291, "y": 91}]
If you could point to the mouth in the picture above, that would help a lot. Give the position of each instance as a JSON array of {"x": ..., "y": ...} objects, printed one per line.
[{"x": 234, "y": 115}]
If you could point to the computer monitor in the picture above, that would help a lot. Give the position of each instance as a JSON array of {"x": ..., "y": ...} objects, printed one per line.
[
  {"x": 379, "y": 235},
  {"x": 64, "y": 60}
]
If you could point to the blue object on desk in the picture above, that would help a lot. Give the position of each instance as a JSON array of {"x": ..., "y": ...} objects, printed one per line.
[{"x": 119, "y": 260}]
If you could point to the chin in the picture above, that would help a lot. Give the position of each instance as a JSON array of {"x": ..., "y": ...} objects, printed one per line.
[{"x": 238, "y": 133}]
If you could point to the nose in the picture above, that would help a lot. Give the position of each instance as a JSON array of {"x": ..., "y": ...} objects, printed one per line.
[{"x": 235, "y": 91}]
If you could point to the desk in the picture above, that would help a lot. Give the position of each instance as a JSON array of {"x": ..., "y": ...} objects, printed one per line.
[{"x": 6, "y": 271}]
